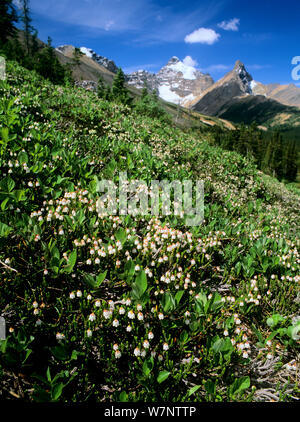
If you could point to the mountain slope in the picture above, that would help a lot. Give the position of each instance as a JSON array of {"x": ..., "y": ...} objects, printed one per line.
[
  {"x": 285, "y": 94},
  {"x": 107, "y": 307},
  {"x": 234, "y": 84}
]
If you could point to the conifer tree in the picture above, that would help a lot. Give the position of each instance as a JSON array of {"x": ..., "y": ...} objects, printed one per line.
[
  {"x": 119, "y": 90},
  {"x": 101, "y": 89},
  {"x": 8, "y": 17},
  {"x": 27, "y": 27}
]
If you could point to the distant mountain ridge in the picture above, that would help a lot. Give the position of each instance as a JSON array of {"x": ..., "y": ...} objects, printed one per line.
[{"x": 236, "y": 96}]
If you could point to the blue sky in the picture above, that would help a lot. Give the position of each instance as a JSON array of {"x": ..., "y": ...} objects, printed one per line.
[{"x": 144, "y": 34}]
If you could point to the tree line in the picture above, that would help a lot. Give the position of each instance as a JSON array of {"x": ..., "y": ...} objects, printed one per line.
[{"x": 272, "y": 153}]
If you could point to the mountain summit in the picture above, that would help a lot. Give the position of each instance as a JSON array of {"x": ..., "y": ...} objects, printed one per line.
[
  {"x": 236, "y": 83},
  {"x": 176, "y": 82}
]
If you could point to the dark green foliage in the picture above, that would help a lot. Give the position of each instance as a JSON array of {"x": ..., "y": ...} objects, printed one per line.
[
  {"x": 149, "y": 105},
  {"x": 119, "y": 91},
  {"x": 8, "y": 17},
  {"x": 273, "y": 154},
  {"x": 48, "y": 65},
  {"x": 27, "y": 27},
  {"x": 76, "y": 56}
]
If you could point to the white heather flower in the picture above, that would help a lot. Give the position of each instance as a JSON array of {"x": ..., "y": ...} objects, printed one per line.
[
  {"x": 245, "y": 355},
  {"x": 131, "y": 315},
  {"x": 165, "y": 346},
  {"x": 143, "y": 353},
  {"x": 35, "y": 304},
  {"x": 118, "y": 354},
  {"x": 121, "y": 311},
  {"x": 89, "y": 333},
  {"x": 98, "y": 303},
  {"x": 150, "y": 335},
  {"x": 269, "y": 343},
  {"x": 137, "y": 351},
  {"x": 60, "y": 336},
  {"x": 88, "y": 261},
  {"x": 79, "y": 293},
  {"x": 160, "y": 316},
  {"x": 115, "y": 346},
  {"x": 115, "y": 323},
  {"x": 36, "y": 311},
  {"x": 128, "y": 302},
  {"x": 139, "y": 307},
  {"x": 128, "y": 328},
  {"x": 146, "y": 344},
  {"x": 225, "y": 333},
  {"x": 72, "y": 295},
  {"x": 269, "y": 356},
  {"x": 107, "y": 314},
  {"x": 160, "y": 357},
  {"x": 89, "y": 297},
  {"x": 92, "y": 317},
  {"x": 140, "y": 316}
]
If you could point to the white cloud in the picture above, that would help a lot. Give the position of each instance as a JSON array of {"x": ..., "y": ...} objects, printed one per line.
[
  {"x": 202, "y": 36},
  {"x": 217, "y": 68},
  {"x": 189, "y": 61},
  {"x": 231, "y": 25}
]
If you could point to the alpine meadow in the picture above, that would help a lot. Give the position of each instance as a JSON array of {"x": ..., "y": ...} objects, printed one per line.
[{"x": 141, "y": 306}]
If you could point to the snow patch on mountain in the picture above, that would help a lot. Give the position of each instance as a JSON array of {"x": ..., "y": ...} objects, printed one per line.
[
  {"x": 166, "y": 94},
  {"x": 177, "y": 82},
  {"x": 87, "y": 51},
  {"x": 188, "y": 72}
]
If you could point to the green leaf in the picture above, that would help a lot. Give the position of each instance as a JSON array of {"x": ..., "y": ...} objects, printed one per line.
[
  {"x": 7, "y": 184},
  {"x": 293, "y": 331},
  {"x": 178, "y": 296},
  {"x": 275, "y": 320},
  {"x": 3, "y": 203},
  {"x": 210, "y": 387},
  {"x": 162, "y": 376},
  {"x": 4, "y": 229},
  {"x": 60, "y": 352},
  {"x": 193, "y": 390},
  {"x": 123, "y": 397},
  {"x": 239, "y": 385},
  {"x": 121, "y": 235},
  {"x": 148, "y": 366},
  {"x": 56, "y": 391},
  {"x": 71, "y": 262},
  {"x": 48, "y": 374},
  {"x": 140, "y": 285},
  {"x": 100, "y": 278},
  {"x": 168, "y": 302}
]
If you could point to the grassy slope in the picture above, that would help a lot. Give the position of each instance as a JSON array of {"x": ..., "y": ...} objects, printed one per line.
[{"x": 233, "y": 275}]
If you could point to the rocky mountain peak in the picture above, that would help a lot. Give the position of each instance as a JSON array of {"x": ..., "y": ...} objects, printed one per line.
[
  {"x": 173, "y": 60},
  {"x": 176, "y": 82}
]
